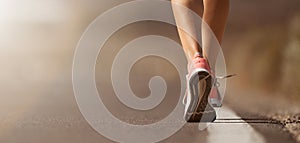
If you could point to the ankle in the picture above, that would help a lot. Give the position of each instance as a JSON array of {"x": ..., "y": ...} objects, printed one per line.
[{"x": 197, "y": 54}]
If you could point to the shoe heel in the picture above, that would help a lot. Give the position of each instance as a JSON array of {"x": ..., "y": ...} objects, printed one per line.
[{"x": 203, "y": 111}]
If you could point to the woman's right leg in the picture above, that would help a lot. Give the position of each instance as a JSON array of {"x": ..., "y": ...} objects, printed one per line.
[
  {"x": 185, "y": 19},
  {"x": 198, "y": 78}
]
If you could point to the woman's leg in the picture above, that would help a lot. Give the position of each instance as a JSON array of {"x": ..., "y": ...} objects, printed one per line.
[
  {"x": 185, "y": 19},
  {"x": 215, "y": 16}
]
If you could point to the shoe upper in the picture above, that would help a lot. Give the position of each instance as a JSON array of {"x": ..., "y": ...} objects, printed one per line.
[{"x": 198, "y": 62}]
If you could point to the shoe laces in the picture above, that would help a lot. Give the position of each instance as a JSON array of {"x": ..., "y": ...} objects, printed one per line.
[{"x": 217, "y": 84}]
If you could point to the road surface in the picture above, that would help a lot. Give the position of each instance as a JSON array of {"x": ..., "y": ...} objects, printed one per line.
[{"x": 34, "y": 118}]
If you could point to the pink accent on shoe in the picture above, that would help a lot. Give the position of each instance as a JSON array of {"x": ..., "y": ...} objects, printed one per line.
[
  {"x": 198, "y": 62},
  {"x": 214, "y": 92}
]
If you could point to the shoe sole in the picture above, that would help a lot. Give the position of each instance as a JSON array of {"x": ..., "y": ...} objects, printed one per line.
[{"x": 200, "y": 110}]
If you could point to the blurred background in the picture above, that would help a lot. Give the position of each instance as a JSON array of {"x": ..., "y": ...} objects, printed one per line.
[
  {"x": 38, "y": 40},
  {"x": 263, "y": 43}
]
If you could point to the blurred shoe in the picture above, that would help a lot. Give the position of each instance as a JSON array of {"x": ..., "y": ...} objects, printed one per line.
[
  {"x": 199, "y": 84},
  {"x": 215, "y": 98}
]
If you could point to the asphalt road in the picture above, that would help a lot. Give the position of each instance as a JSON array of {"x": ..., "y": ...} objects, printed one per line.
[{"x": 28, "y": 116}]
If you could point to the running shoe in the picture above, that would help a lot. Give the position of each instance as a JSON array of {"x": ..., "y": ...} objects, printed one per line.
[
  {"x": 215, "y": 98},
  {"x": 199, "y": 84}
]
